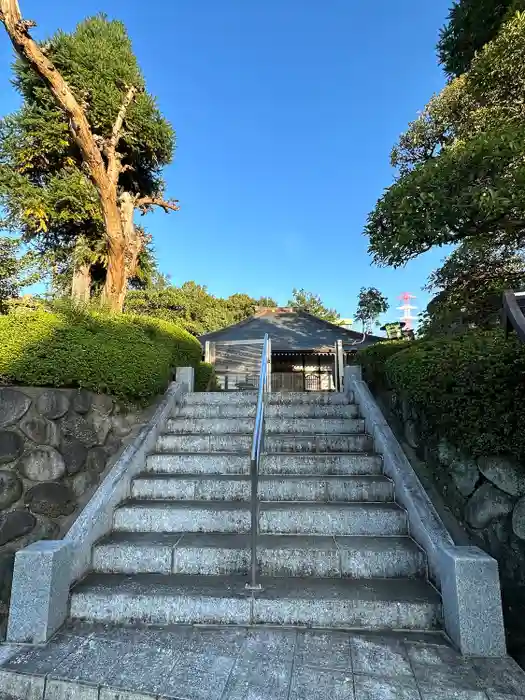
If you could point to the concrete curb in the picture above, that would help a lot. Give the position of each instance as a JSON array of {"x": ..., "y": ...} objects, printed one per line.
[
  {"x": 466, "y": 576},
  {"x": 45, "y": 570}
]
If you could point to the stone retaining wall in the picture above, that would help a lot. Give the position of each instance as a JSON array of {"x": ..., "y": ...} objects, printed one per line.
[
  {"x": 486, "y": 495},
  {"x": 55, "y": 445}
]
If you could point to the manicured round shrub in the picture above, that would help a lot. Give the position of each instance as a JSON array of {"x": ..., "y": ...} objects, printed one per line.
[{"x": 205, "y": 379}]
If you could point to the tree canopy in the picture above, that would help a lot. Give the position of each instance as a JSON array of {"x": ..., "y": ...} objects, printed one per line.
[
  {"x": 312, "y": 304},
  {"x": 461, "y": 163},
  {"x": 468, "y": 288},
  {"x": 17, "y": 270},
  {"x": 471, "y": 24},
  {"x": 85, "y": 150},
  {"x": 371, "y": 304}
]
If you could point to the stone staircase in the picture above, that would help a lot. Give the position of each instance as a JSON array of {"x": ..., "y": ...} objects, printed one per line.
[{"x": 334, "y": 548}]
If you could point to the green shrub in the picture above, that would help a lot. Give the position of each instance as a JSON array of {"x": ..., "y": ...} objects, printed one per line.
[
  {"x": 205, "y": 379},
  {"x": 128, "y": 356},
  {"x": 468, "y": 389},
  {"x": 373, "y": 360}
]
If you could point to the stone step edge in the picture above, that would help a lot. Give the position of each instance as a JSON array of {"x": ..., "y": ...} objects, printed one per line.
[{"x": 166, "y": 476}]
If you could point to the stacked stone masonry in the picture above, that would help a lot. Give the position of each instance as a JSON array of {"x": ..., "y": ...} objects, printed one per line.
[{"x": 54, "y": 447}]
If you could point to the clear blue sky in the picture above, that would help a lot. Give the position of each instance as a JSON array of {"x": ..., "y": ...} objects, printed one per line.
[{"x": 285, "y": 112}]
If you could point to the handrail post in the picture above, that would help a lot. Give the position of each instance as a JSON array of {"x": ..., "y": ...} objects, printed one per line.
[{"x": 255, "y": 454}]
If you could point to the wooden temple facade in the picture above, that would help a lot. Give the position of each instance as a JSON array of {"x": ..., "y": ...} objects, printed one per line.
[{"x": 303, "y": 348}]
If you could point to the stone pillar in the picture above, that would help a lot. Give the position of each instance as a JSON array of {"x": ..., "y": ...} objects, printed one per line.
[
  {"x": 40, "y": 593},
  {"x": 186, "y": 377},
  {"x": 352, "y": 372}
]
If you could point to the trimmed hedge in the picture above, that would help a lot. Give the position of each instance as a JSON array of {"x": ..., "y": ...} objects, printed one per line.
[
  {"x": 374, "y": 357},
  {"x": 205, "y": 379},
  {"x": 468, "y": 389},
  {"x": 128, "y": 356}
]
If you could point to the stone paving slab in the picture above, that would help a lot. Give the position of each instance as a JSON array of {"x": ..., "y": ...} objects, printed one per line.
[{"x": 99, "y": 662}]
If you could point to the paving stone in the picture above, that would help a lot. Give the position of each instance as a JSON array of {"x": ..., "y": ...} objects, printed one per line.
[
  {"x": 447, "y": 677},
  {"x": 42, "y": 464},
  {"x": 324, "y": 649},
  {"x": 142, "y": 670},
  {"x": 374, "y": 688},
  {"x": 449, "y": 694},
  {"x": 223, "y": 642},
  {"x": 375, "y": 657},
  {"x": 52, "y": 404},
  {"x": 279, "y": 643},
  {"x": 95, "y": 661},
  {"x": 13, "y": 405},
  {"x": 198, "y": 677},
  {"x": 41, "y": 661},
  {"x": 500, "y": 676},
  {"x": 69, "y": 690},
  {"x": 114, "y": 694},
  {"x": 11, "y": 446},
  {"x": 21, "y": 686},
  {"x": 321, "y": 684},
  {"x": 264, "y": 679},
  {"x": 435, "y": 655},
  {"x": 10, "y": 488}
]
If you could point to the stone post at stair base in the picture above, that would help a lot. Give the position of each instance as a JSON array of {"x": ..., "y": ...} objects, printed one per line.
[
  {"x": 186, "y": 377},
  {"x": 40, "y": 591}
]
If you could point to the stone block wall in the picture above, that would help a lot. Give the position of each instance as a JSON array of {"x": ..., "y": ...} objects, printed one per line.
[
  {"x": 55, "y": 445},
  {"x": 486, "y": 495}
]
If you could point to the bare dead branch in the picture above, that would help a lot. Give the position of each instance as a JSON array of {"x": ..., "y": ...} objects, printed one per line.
[
  {"x": 111, "y": 149},
  {"x": 145, "y": 204}
]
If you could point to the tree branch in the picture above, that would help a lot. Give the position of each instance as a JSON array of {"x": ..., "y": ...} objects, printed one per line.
[
  {"x": 111, "y": 147},
  {"x": 18, "y": 31},
  {"x": 146, "y": 203}
]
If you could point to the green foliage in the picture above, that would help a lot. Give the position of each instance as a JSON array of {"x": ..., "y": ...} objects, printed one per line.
[
  {"x": 461, "y": 163},
  {"x": 469, "y": 288},
  {"x": 469, "y": 390},
  {"x": 128, "y": 356},
  {"x": 373, "y": 360},
  {"x": 205, "y": 379},
  {"x": 192, "y": 307},
  {"x": 370, "y": 306},
  {"x": 312, "y": 304},
  {"x": 471, "y": 25},
  {"x": 17, "y": 270},
  {"x": 44, "y": 189}
]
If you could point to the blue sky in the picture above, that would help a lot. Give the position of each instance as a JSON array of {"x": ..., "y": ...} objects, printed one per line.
[{"x": 285, "y": 112}]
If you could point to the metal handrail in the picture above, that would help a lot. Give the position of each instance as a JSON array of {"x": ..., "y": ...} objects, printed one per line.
[{"x": 255, "y": 455}]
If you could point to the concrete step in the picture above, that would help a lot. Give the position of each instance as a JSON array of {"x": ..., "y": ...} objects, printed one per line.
[
  {"x": 314, "y": 426},
  {"x": 159, "y": 599},
  {"x": 293, "y": 518},
  {"x": 235, "y": 410},
  {"x": 220, "y": 487},
  {"x": 286, "y": 463},
  {"x": 283, "y": 518},
  {"x": 186, "y": 516},
  {"x": 201, "y": 463},
  {"x": 322, "y": 464},
  {"x": 209, "y": 426},
  {"x": 220, "y": 397},
  {"x": 321, "y": 398},
  {"x": 234, "y": 426},
  {"x": 277, "y": 555},
  {"x": 358, "y": 442}
]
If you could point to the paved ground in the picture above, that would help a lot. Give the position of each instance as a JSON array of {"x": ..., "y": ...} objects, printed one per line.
[{"x": 108, "y": 663}]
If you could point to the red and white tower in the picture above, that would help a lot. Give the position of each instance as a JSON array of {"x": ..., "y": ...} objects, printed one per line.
[{"x": 407, "y": 308}]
